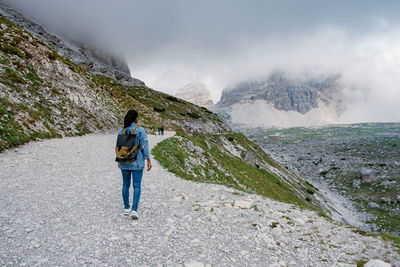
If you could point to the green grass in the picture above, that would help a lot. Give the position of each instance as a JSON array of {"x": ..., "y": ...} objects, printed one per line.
[
  {"x": 9, "y": 49},
  {"x": 220, "y": 167},
  {"x": 394, "y": 239},
  {"x": 33, "y": 77},
  {"x": 12, "y": 77},
  {"x": 12, "y": 132}
]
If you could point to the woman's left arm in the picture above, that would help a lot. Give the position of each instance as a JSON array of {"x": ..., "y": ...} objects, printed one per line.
[{"x": 145, "y": 148}]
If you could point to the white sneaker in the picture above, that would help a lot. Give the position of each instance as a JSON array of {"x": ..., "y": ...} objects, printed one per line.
[
  {"x": 126, "y": 212},
  {"x": 134, "y": 215}
]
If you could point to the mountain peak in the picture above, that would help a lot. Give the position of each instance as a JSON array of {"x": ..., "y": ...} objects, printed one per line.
[{"x": 196, "y": 93}]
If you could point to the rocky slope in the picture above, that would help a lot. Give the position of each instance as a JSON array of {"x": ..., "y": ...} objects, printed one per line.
[
  {"x": 282, "y": 101},
  {"x": 78, "y": 221},
  {"x": 196, "y": 93},
  {"x": 44, "y": 95},
  {"x": 357, "y": 164}
]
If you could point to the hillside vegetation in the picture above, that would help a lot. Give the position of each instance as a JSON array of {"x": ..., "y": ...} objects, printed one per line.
[{"x": 233, "y": 160}]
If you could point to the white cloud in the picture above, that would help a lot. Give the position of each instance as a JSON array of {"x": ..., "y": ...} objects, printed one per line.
[{"x": 369, "y": 65}]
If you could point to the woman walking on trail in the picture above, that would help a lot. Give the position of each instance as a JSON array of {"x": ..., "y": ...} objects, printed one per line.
[{"x": 134, "y": 170}]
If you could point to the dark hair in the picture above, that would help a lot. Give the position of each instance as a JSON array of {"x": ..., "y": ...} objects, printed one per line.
[{"x": 130, "y": 117}]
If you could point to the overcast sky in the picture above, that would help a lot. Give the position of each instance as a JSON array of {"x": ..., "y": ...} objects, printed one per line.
[{"x": 169, "y": 43}]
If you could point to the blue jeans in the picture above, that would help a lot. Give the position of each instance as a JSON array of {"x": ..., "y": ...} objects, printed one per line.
[{"x": 137, "y": 180}]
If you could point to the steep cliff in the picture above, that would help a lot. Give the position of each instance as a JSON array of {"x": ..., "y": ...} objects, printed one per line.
[{"x": 282, "y": 101}]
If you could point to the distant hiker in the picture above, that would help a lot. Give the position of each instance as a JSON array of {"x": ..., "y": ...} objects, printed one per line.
[
  {"x": 132, "y": 150},
  {"x": 159, "y": 130},
  {"x": 162, "y": 130}
]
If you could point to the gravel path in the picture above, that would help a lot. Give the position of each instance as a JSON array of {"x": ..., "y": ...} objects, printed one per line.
[{"x": 61, "y": 204}]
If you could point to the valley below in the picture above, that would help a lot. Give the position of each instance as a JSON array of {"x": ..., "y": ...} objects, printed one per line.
[{"x": 355, "y": 168}]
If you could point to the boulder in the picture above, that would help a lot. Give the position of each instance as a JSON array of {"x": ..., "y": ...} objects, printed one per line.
[
  {"x": 242, "y": 204},
  {"x": 367, "y": 176},
  {"x": 119, "y": 76},
  {"x": 377, "y": 263},
  {"x": 250, "y": 158},
  {"x": 299, "y": 221}
]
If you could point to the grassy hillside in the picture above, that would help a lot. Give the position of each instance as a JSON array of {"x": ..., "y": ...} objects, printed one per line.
[
  {"x": 232, "y": 160},
  {"x": 44, "y": 95}
]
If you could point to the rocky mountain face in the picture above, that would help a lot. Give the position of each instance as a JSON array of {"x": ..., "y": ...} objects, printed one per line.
[
  {"x": 83, "y": 53},
  {"x": 282, "y": 101},
  {"x": 196, "y": 93}
]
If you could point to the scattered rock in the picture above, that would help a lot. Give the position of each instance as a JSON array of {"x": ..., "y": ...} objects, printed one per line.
[
  {"x": 194, "y": 264},
  {"x": 228, "y": 205},
  {"x": 377, "y": 263},
  {"x": 273, "y": 224},
  {"x": 372, "y": 204},
  {"x": 250, "y": 158},
  {"x": 356, "y": 183},
  {"x": 299, "y": 221},
  {"x": 119, "y": 76},
  {"x": 242, "y": 204},
  {"x": 367, "y": 176}
]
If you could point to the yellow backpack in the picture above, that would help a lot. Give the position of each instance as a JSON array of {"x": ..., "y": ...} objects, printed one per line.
[{"x": 126, "y": 149}]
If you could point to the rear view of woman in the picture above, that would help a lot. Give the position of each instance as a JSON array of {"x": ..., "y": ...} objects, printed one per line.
[{"x": 134, "y": 171}]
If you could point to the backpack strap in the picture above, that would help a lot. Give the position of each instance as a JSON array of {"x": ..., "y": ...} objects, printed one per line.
[{"x": 134, "y": 129}]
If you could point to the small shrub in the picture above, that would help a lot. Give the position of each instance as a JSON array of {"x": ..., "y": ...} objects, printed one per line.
[
  {"x": 16, "y": 41},
  {"x": 310, "y": 191},
  {"x": 173, "y": 98},
  {"x": 52, "y": 55},
  {"x": 5, "y": 61},
  {"x": 32, "y": 76},
  {"x": 158, "y": 109},
  {"x": 324, "y": 173},
  {"x": 193, "y": 115}
]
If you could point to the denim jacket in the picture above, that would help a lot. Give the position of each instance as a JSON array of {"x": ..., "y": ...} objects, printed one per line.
[{"x": 143, "y": 153}]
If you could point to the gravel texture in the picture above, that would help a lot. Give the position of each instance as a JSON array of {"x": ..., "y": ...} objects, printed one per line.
[{"x": 61, "y": 204}]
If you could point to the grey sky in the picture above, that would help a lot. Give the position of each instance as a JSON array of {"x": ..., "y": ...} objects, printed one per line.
[{"x": 169, "y": 43}]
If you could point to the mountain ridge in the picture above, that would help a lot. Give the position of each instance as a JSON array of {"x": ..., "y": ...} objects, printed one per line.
[{"x": 282, "y": 101}]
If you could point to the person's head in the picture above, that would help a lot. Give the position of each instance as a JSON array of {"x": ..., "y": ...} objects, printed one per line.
[{"x": 130, "y": 117}]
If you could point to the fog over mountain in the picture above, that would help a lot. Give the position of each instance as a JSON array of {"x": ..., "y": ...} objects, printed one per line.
[{"x": 220, "y": 43}]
